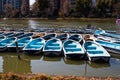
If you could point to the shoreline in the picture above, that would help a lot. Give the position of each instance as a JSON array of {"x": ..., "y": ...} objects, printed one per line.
[
  {"x": 58, "y": 19},
  {"x": 41, "y": 76}
]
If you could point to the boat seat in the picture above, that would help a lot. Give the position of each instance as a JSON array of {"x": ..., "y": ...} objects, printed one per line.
[
  {"x": 95, "y": 51},
  {"x": 35, "y": 46},
  {"x": 91, "y": 47},
  {"x": 70, "y": 45},
  {"x": 20, "y": 44},
  {"x": 55, "y": 44},
  {"x": 3, "y": 44},
  {"x": 26, "y": 41},
  {"x": 53, "y": 47},
  {"x": 72, "y": 49},
  {"x": 38, "y": 43}
]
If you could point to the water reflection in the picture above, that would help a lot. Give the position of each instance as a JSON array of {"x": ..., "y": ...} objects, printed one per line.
[
  {"x": 73, "y": 62},
  {"x": 32, "y": 24},
  {"x": 1, "y": 64},
  {"x": 12, "y": 64},
  {"x": 53, "y": 59},
  {"x": 99, "y": 65},
  {"x": 9, "y": 62},
  {"x": 36, "y": 24}
]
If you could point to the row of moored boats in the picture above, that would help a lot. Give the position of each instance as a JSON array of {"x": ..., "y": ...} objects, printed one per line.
[{"x": 71, "y": 46}]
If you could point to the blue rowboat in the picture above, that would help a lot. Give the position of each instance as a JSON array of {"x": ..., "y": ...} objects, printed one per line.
[
  {"x": 16, "y": 34},
  {"x": 77, "y": 37},
  {"x": 25, "y": 35},
  {"x": 104, "y": 33},
  {"x": 35, "y": 46},
  {"x": 7, "y": 33},
  {"x": 53, "y": 47},
  {"x": 63, "y": 36},
  {"x": 20, "y": 43},
  {"x": 113, "y": 47},
  {"x": 73, "y": 49},
  {"x": 49, "y": 36},
  {"x": 2, "y": 37},
  {"x": 95, "y": 52},
  {"x": 7, "y": 42}
]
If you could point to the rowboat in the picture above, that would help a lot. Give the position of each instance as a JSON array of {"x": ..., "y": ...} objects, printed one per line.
[
  {"x": 63, "y": 36},
  {"x": 7, "y": 42},
  {"x": 113, "y": 47},
  {"x": 49, "y": 36},
  {"x": 20, "y": 43},
  {"x": 2, "y": 37},
  {"x": 35, "y": 46},
  {"x": 1, "y": 33},
  {"x": 16, "y": 34},
  {"x": 25, "y": 35},
  {"x": 95, "y": 52},
  {"x": 77, "y": 37},
  {"x": 104, "y": 33},
  {"x": 53, "y": 47},
  {"x": 7, "y": 33},
  {"x": 73, "y": 49}
]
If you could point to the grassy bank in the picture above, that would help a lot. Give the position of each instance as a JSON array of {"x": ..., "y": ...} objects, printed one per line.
[{"x": 12, "y": 76}]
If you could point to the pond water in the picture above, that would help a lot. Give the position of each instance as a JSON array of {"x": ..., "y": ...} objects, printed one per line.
[
  {"x": 36, "y": 24},
  {"x": 9, "y": 61}
]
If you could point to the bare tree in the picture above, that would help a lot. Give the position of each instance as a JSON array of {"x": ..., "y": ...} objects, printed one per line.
[
  {"x": 14, "y": 12},
  {"x": 116, "y": 9},
  {"x": 24, "y": 8},
  {"x": 64, "y": 8},
  {"x": 8, "y": 10},
  {"x": 35, "y": 9}
]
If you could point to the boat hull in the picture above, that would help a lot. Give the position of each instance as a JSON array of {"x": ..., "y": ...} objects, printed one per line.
[
  {"x": 75, "y": 56},
  {"x": 2, "y": 49},
  {"x": 99, "y": 58},
  {"x": 112, "y": 50},
  {"x": 33, "y": 52},
  {"x": 52, "y": 53},
  {"x": 14, "y": 49}
]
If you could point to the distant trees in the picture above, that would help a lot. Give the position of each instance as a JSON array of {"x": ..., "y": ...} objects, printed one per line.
[
  {"x": 10, "y": 11},
  {"x": 42, "y": 5},
  {"x": 104, "y": 7},
  {"x": 64, "y": 10},
  {"x": 83, "y": 8},
  {"x": 35, "y": 9},
  {"x": 116, "y": 10},
  {"x": 39, "y": 8},
  {"x": 79, "y": 8},
  {"x": 24, "y": 8}
]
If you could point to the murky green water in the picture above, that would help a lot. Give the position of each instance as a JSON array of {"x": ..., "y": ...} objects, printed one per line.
[
  {"x": 36, "y": 24},
  {"x": 9, "y": 62}
]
